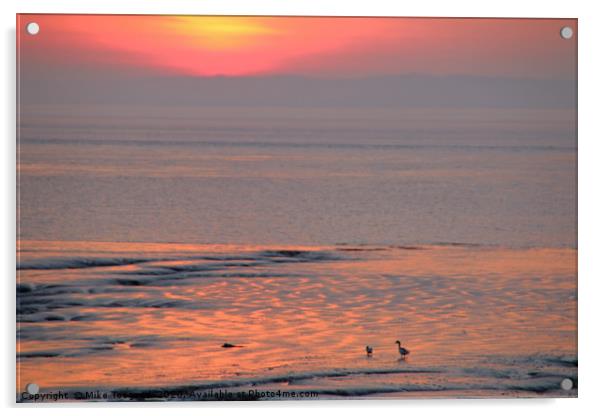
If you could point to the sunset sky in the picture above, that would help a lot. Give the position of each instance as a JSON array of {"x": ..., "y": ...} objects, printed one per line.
[
  {"x": 233, "y": 46},
  {"x": 192, "y": 60}
]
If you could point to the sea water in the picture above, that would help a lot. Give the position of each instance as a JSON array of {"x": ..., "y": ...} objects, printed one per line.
[{"x": 147, "y": 238}]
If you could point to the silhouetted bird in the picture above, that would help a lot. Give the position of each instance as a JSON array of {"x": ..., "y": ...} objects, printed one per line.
[{"x": 402, "y": 351}]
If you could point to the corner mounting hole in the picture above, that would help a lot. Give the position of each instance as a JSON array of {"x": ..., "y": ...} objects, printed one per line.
[
  {"x": 566, "y": 32},
  {"x": 32, "y": 388},
  {"x": 33, "y": 28},
  {"x": 566, "y": 384}
]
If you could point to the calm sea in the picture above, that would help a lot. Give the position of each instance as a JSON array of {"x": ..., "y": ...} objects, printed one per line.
[{"x": 148, "y": 237}]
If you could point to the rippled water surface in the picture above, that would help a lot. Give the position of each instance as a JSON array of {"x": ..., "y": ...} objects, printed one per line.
[{"x": 478, "y": 320}]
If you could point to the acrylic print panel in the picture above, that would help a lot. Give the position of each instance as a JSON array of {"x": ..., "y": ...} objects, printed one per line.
[{"x": 260, "y": 208}]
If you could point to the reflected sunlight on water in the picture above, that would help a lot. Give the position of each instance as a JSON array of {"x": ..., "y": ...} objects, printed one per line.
[{"x": 116, "y": 315}]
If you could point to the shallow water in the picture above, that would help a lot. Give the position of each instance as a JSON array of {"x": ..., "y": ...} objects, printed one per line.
[{"x": 151, "y": 319}]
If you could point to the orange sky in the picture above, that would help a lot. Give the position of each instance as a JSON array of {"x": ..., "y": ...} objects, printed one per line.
[{"x": 235, "y": 46}]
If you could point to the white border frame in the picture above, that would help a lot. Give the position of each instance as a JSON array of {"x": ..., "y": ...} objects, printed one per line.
[{"x": 590, "y": 197}]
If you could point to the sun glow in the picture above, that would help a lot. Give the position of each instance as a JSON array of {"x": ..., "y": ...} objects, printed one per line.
[{"x": 218, "y": 33}]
